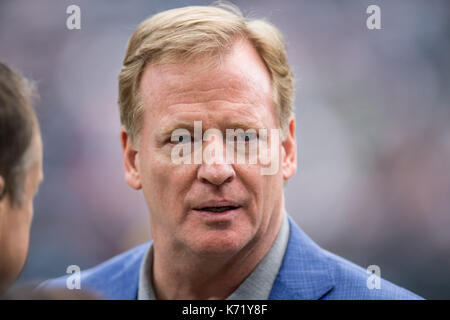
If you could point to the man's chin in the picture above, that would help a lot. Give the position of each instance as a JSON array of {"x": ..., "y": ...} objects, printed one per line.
[
  {"x": 217, "y": 237},
  {"x": 219, "y": 244}
]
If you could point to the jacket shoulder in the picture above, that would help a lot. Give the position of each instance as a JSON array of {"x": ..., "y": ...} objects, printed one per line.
[
  {"x": 353, "y": 282},
  {"x": 311, "y": 272},
  {"x": 116, "y": 278}
]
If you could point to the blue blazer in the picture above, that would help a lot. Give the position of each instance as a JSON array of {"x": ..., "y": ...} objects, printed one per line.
[{"x": 307, "y": 272}]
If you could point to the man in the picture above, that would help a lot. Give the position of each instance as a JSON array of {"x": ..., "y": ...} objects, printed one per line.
[
  {"x": 20, "y": 172},
  {"x": 219, "y": 226}
]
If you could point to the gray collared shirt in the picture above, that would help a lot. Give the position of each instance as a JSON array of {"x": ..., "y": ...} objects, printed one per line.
[{"x": 258, "y": 284}]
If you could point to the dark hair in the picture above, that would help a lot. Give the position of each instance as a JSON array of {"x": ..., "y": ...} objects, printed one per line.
[{"x": 17, "y": 121}]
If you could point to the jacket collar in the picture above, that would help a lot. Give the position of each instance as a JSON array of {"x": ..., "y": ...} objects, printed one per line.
[{"x": 305, "y": 273}]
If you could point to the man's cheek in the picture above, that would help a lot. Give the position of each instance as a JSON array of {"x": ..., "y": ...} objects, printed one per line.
[
  {"x": 164, "y": 180},
  {"x": 250, "y": 175}
]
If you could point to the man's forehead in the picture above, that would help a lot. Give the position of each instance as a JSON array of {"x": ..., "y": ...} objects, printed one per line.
[
  {"x": 239, "y": 74},
  {"x": 172, "y": 85}
]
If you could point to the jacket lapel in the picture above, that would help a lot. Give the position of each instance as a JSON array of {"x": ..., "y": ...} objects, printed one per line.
[
  {"x": 117, "y": 279},
  {"x": 304, "y": 273}
]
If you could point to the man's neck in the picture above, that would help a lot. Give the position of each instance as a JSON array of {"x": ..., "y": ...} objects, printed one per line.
[{"x": 182, "y": 275}]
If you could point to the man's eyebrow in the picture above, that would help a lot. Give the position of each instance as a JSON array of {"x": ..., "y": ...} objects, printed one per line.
[
  {"x": 189, "y": 125},
  {"x": 245, "y": 125},
  {"x": 167, "y": 131}
]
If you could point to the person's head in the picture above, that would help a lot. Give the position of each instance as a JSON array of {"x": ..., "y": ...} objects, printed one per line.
[
  {"x": 20, "y": 171},
  {"x": 207, "y": 64}
]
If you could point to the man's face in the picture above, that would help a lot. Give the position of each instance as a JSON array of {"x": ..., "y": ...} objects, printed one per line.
[
  {"x": 15, "y": 222},
  {"x": 237, "y": 94}
]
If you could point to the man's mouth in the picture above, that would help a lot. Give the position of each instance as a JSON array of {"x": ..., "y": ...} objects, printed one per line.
[{"x": 217, "y": 207}]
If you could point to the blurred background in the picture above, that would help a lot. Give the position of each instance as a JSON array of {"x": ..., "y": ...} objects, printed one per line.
[{"x": 373, "y": 130}]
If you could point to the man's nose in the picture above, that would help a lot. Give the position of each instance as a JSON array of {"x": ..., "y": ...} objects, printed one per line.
[
  {"x": 216, "y": 173},
  {"x": 214, "y": 168}
]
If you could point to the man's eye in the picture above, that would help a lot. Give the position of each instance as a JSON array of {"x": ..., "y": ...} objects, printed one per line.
[
  {"x": 181, "y": 139},
  {"x": 246, "y": 137}
]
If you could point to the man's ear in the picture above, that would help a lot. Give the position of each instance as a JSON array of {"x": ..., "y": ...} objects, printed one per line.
[
  {"x": 130, "y": 160},
  {"x": 2, "y": 198},
  {"x": 289, "y": 145},
  {"x": 2, "y": 187}
]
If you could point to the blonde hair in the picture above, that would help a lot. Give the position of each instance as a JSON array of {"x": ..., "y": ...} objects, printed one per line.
[{"x": 182, "y": 34}]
